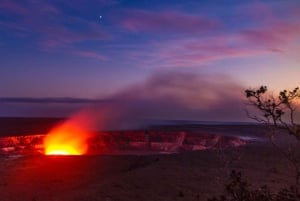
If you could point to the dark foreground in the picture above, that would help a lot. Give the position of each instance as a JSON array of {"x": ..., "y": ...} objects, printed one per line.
[
  {"x": 191, "y": 175},
  {"x": 184, "y": 176}
]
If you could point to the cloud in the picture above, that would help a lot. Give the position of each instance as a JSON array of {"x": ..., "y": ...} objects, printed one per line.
[
  {"x": 257, "y": 31},
  {"x": 195, "y": 52},
  {"x": 60, "y": 36},
  {"x": 13, "y": 6},
  {"x": 49, "y": 24},
  {"x": 89, "y": 54},
  {"x": 166, "y": 22},
  {"x": 266, "y": 38},
  {"x": 276, "y": 25},
  {"x": 163, "y": 96},
  {"x": 276, "y": 35}
]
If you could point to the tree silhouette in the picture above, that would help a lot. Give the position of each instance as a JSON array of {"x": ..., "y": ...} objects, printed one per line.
[
  {"x": 278, "y": 113},
  {"x": 275, "y": 109},
  {"x": 238, "y": 189}
]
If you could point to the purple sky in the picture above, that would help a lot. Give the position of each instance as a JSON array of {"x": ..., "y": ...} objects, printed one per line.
[{"x": 57, "y": 56}]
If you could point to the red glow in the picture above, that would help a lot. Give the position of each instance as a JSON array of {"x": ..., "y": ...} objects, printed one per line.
[{"x": 67, "y": 139}]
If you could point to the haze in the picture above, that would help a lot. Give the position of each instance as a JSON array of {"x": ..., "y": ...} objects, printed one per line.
[{"x": 179, "y": 60}]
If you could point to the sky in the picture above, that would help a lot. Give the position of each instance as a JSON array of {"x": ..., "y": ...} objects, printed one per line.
[{"x": 174, "y": 59}]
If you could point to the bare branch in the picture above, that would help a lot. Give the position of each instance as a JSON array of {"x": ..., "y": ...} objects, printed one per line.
[{"x": 277, "y": 113}]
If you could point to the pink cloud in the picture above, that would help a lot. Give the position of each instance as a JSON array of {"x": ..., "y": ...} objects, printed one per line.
[
  {"x": 271, "y": 31},
  {"x": 271, "y": 35},
  {"x": 261, "y": 37},
  {"x": 50, "y": 26},
  {"x": 295, "y": 11},
  {"x": 13, "y": 6},
  {"x": 58, "y": 36},
  {"x": 28, "y": 8},
  {"x": 49, "y": 44},
  {"x": 196, "y": 52},
  {"x": 89, "y": 54},
  {"x": 277, "y": 35},
  {"x": 166, "y": 22}
]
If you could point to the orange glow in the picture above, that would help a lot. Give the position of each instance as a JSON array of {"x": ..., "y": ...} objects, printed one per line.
[
  {"x": 60, "y": 152},
  {"x": 67, "y": 139}
]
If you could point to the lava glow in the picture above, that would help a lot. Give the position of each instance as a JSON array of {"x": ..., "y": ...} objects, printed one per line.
[
  {"x": 67, "y": 139},
  {"x": 59, "y": 152}
]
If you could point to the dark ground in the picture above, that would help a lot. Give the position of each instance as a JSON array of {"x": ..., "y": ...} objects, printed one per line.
[
  {"x": 185, "y": 176},
  {"x": 26, "y": 126}
]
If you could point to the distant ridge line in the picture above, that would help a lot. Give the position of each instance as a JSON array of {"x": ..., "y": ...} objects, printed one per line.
[
  {"x": 50, "y": 100},
  {"x": 194, "y": 122}
]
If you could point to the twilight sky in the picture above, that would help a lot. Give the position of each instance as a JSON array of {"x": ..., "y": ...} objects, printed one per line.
[{"x": 58, "y": 55}]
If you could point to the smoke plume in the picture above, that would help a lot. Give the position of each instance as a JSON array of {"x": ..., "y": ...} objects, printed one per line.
[{"x": 169, "y": 96}]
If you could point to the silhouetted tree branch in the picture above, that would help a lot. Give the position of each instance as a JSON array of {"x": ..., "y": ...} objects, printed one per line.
[
  {"x": 273, "y": 110},
  {"x": 277, "y": 113}
]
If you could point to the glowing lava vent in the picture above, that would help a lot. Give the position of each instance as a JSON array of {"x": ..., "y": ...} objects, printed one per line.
[{"x": 66, "y": 139}]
